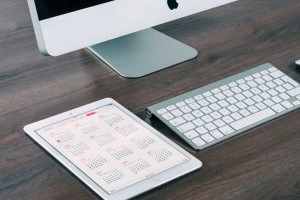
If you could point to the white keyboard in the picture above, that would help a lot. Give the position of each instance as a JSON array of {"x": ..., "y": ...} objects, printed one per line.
[{"x": 214, "y": 113}]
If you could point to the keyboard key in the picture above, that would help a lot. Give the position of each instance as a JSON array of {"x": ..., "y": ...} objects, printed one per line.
[
  {"x": 248, "y": 94},
  {"x": 194, "y": 106},
  {"x": 191, "y": 134},
  {"x": 226, "y": 130},
  {"x": 296, "y": 103},
  {"x": 232, "y": 108},
  {"x": 210, "y": 126},
  {"x": 227, "y": 119},
  {"x": 294, "y": 92},
  {"x": 177, "y": 121},
  {"x": 284, "y": 96},
  {"x": 180, "y": 104},
  {"x": 198, "y": 97},
  {"x": 280, "y": 89},
  {"x": 220, "y": 96},
  {"x": 264, "y": 72},
  {"x": 261, "y": 106},
  {"x": 243, "y": 112},
  {"x": 256, "y": 75},
  {"x": 289, "y": 80},
  {"x": 198, "y": 142},
  {"x": 276, "y": 74},
  {"x": 171, "y": 107},
  {"x": 278, "y": 81},
  {"x": 215, "y": 106},
  {"x": 257, "y": 98},
  {"x": 228, "y": 93},
  {"x": 240, "y": 81},
  {"x": 206, "y": 110},
  {"x": 224, "y": 111},
  {"x": 216, "y": 134},
  {"x": 259, "y": 81},
  {"x": 252, "y": 119},
  {"x": 211, "y": 99},
  {"x": 185, "y": 109},
  {"x": 265, "y": 95},
  {"x": 249, "y": 102},
  {"x": 269, "y": 102},
  {"x": 207, "y": 118},
  {"x": 219, "y": 123},
  {"x": 276, "y": 99},
  {"x": 253, "y": 109},
  {"x": 288, "y": 86},
  {"x": 186, "y": 127},
  {"x": 232, "y": 84},
  {"x": 236, "y": 90},
  {"x": 207, "y": 138},
  {"x": 167, "y": 116},
  {"x": 244, "y": 87},
  {"x": 263, "y": 88},
  {"x": 273, "y": 92},
  {"x": 176, "y": 113},
  {"x": 190, "y": 100},
  {"x": 241, "y": 105},
  {"x": 215, "y": 115},
  {"x": 231, "y": 100},
  {"x": 252, "y": 84},
  {"x": 267, "y": 78},
  {"x": 162, "y": 111},
  {"x": 255, "y": 90},
  {"x": 215, "y": 91},
  {"x": 248, "y": 78},
  {"x": 223, "y": 103},
  {"x": 287, "y": 104},
  {"x": 198, "y": 122},
  {"x": 201, "y": 130},
  {"x": 285, "y": 78},
  {"x": 224, "y": 87},
  {"x": 236, "y": 116},
  {"x": 272, "y": 69},
  {"x": 207, "y": 94},
  {"x": 203, "y": 102},
  {"x": 188, "y": 117},
  {"x": 197, "y": 113},
  {"x": 278, "y": 108},
  {"x": 239, "y": 97},
  {"x": 271, "y": 84}
]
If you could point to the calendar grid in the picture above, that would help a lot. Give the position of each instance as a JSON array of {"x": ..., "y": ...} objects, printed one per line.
[{"x": 110, "y": 147}]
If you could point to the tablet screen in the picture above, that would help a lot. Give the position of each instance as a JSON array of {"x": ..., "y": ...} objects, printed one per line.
[{"x": 111, "y": 148}]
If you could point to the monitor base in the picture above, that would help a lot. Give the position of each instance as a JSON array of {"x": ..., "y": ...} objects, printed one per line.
[{"x": 142, "y": 53}]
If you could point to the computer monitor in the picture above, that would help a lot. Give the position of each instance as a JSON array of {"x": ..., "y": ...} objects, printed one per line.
[{"x": 117, "y": 31}]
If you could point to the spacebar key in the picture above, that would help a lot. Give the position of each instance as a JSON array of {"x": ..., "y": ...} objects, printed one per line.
[{"x": 252, "y": 119}]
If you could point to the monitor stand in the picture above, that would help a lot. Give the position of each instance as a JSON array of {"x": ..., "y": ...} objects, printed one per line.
[{"x": 142, "y": 53}]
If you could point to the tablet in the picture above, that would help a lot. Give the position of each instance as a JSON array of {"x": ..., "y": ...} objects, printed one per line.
[{"x": 111, "y": 150}]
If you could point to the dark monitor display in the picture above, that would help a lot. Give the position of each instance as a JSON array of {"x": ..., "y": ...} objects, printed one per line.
[{"x": 52, "y": 8}]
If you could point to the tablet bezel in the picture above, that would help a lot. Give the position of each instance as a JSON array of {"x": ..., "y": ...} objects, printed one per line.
[{"x": 132, "y": 190}]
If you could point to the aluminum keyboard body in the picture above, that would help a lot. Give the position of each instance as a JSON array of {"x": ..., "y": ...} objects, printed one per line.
[{"x": 221, "y": 110}]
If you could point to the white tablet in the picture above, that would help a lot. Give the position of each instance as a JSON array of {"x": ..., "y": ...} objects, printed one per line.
[{"x": 111, "y": 150}]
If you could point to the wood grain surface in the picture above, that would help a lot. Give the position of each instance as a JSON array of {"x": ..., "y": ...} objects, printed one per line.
[{"x": 263, "y": 163}]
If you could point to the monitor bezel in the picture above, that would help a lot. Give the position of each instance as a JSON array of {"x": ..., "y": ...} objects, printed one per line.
[{"x": 72, "y": 31}]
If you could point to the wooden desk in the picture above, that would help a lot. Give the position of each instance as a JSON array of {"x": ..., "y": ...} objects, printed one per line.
[{"x": 263, "y": 163}]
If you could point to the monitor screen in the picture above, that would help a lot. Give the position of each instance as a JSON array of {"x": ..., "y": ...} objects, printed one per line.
[{"x": 52, "y": 8}]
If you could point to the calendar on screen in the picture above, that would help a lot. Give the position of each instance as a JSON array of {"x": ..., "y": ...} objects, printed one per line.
[{"x": 110, "y": 147}]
